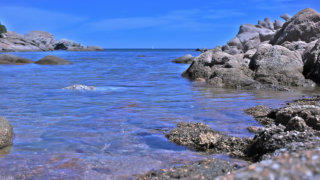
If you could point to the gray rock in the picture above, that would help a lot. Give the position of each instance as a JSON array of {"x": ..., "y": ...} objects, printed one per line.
[
  {"x": 39, "y": 41},
  {"x": 11, "y": 59},
  {"x": 237, "y": 78},
  {"x": 249, "y": 54},
  {"x": 266, "y": 23},
  {"x": 6, "y": 133},
  {"x": 13, "y": 41},
  {"x": 278, "y": 24},
  {"x": 94, "y": 48},
  {"x": 43, "y": 40},
  {"x": 286, "y": 17},
  {"x": 235, "y": 43},
  {"x": 52, "y": 60},
  {"x": 311, "y": 59},
  {"x": 278, "y": 66},
  {"x": 197, "y": 70},
  {"x": 296, "y": 123},
  {"x": 187, "y": 59},
  {"x": 65, "y": 44},
  {"x": 304, "y": 26},
  {"x": 299, "y": 46}
]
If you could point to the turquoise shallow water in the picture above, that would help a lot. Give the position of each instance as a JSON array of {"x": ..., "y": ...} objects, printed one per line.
[{"x": 115, "y": 131}]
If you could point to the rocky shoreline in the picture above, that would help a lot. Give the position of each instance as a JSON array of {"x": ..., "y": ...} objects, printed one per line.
[
  {"x": 290, "y": 136},
  {"x": 275, "y": 55}
]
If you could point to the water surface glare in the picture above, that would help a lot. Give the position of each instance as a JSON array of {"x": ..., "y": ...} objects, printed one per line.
[{"x": 116, "y": 130}]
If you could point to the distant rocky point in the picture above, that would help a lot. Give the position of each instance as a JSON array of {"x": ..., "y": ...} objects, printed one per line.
[
  {"x": 38, "y": 41},
  {"x": 270, "y": 55}
]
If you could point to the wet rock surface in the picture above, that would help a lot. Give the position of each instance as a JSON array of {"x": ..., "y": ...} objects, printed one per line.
[
  {"x": 6, "y": 133},
  {"x": 201, "y": 137},
  {"x": 52, "y": 60},
  {"x": 206, "y": 169}
]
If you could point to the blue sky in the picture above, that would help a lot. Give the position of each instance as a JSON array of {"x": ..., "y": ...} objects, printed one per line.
[{"x": 144, "y": 23}]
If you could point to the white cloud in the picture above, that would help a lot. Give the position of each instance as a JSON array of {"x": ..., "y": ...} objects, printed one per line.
[{"x": 24, "y": 19}]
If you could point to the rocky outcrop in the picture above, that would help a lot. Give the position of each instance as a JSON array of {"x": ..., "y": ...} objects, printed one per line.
[
  {"x": 80, "y": 87},
  {"x": 39, "y": 41},
  {"x": 304, "y": 26},
  {"x": 278, "y": 66},
  {"x": 269, "y": 55},
  {"x": 52, "y": 60},
  {"x": 6, "y": 132},
  {"x": 15, "y": 60},
  {"x": 187, "y": 59},
  {"x": 43, "y": 40},
  {"x": 311, "y": 60}
]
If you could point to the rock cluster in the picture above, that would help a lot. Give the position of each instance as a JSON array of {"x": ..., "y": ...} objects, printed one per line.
[
  {"x": 39, "y": 41},
  {"x": 269, "y": 55}
]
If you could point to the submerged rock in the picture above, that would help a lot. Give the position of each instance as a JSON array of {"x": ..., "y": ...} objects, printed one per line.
[
  {"x": 52, "y": 60},
  {"x": 80, "y": 87},
  {"x": 11, "y": 59},
  {"x": 187, "y": 59},
  {"x": 6, "y": 133}
]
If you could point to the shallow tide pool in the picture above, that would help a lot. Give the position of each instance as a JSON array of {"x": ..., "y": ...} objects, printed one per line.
[{"x": 115, "y": 131}]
